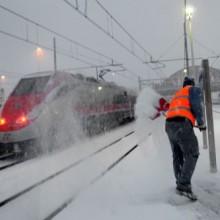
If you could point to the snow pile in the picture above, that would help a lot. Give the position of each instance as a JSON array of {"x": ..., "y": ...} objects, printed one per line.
[{"x": 144, "y": 110}]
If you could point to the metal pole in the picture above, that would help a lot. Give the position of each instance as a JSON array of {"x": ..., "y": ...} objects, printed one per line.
[
  {"x": 204, "y": 133},
  {"x": 86, "y": 6},
  {"x": 139, "y": 83},
  {"x": 185, "y": 41},
  {"x": 77, "y": 4},
  {"x": 209, "y": 116},
  {"x": 55, "y": 55},
  {"x": 192, "y": 49},
  {"x": 2, "y": 96},
  {"x": 201, "y": 85},
  {"x": 97, "y": 73}
]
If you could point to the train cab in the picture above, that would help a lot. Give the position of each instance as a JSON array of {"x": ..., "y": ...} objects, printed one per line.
[{"x": 16, "y": 119}]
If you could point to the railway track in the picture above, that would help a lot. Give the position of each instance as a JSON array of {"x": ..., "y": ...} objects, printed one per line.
[
  {"x": 93, "y": 181},
  {"x": 98, "y": 177},
  {"x": 67, "y": 168},
  {"x": 6, "y": 156},
  {"x": 7, "y": 160},
  {"x": 11, "y": 159},
  {"x": 8, "y": 164}
]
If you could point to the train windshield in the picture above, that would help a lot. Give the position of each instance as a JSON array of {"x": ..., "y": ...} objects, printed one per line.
[{"x": 30, "y": 86}]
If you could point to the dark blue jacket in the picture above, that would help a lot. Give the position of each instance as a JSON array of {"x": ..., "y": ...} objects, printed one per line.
[{"x": 195, "y": 97}]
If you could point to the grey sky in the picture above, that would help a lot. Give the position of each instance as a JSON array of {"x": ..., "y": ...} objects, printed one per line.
[{"x": 155, "y": 24}]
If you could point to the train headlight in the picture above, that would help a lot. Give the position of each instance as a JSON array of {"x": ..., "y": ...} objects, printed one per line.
[
  {"x": 22, "y": 120},
  {"x": 2, "y": 121}
]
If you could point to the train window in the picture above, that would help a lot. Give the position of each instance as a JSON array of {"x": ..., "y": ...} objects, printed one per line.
[
  {"x": 31, "y": 86},
  {"x": 120, "y": 99}
]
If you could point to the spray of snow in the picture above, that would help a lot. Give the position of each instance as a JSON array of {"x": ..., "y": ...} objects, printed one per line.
[
  {"x": 157, "y": 151},
  {"x": 62, "y": 125},
  {"x": 144, "y": 109}
]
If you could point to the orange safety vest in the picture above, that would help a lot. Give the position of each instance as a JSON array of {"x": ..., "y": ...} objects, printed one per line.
[{"x": 180, "y": 105}]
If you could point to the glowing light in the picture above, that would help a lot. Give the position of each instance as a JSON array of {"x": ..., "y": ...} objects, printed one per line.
[
  {"x": 22, "y": 120},
  {"x": 100, "y": 88},
  {"x": 2, "y": 121},
  {"x": 2, "y": 77},
  {"x": 189, "y": 12},
  {"x": 185, "y": 70},
  {"x": 39, "y": 52}
]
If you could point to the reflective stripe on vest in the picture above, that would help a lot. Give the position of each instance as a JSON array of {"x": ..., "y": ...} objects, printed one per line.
[{"x": 180, "y": 105}]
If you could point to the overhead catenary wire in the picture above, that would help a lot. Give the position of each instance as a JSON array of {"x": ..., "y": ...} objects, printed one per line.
[
  {"x": 214, "y": 61},
  {"x": 78, "y": 54},
  {"x": 50, "y": 49},
  {"x": 103, "y": 30},
  {"x": 2, "y": 71},
  {"x": 91, "y": 67},
  {"x": 204, "y": 46},
  {"x": 215, "y": 56},
  {"x": 91, "y": 58},
  {"x": 208, "y": 49},
  {"x": 124, "y": 29},
  {"x": 121, "y": 74},
  {"x": 113, "y": 61},
  {"x": 59, "y": 52},
  {"x": 129, "y": 35},
  {"x": 181, "y": 59},
  {"x": 43, "y": 46},
  {"x": 55, "y": 33},
  {"x": 159, "y": 62},
  {"x": 107, "y": 33},
  {"x": 170, "y": 47},
  {"x": 132, "y": 74}
]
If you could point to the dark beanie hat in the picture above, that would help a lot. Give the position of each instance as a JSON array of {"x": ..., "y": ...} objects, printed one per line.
[{"x": 188, "y": 81}]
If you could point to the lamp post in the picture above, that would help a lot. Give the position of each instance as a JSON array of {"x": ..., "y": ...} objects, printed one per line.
[
  {"x": 189, "y": 14},
  {"x": 186, "y": 67}
]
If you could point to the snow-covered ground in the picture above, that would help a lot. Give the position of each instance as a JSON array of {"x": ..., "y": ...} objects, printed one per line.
[{"x": 140, "y": 187}]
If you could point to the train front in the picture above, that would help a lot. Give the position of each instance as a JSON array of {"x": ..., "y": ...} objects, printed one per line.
[{"x": 17, "y": 128}]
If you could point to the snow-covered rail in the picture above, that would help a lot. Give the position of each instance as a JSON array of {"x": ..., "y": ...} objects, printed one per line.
[
  {"x": 9, "y": 160},
  {"x": 5, "y": 156},
  {"x": 67, "y": 168},
  {"x": 6, "y": 164},
  {"x": 111, "y": 166}
]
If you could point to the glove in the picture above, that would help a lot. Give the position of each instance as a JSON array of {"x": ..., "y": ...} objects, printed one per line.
[{"x": 202, "y": 127}]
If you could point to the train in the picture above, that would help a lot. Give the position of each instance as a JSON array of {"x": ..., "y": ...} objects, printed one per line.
[{"x": 43, "y": 103}]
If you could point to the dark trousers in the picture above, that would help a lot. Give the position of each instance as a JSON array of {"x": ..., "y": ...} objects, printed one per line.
[{"x": 185, "y": 149}]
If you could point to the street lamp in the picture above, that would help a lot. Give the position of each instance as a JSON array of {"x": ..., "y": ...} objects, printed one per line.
[
  {"x": 189, "y": 14},
  {"x": 39, "y": 53},
  {"x": 185, "y": 71},
  {"x": 2, "y": 77}
]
